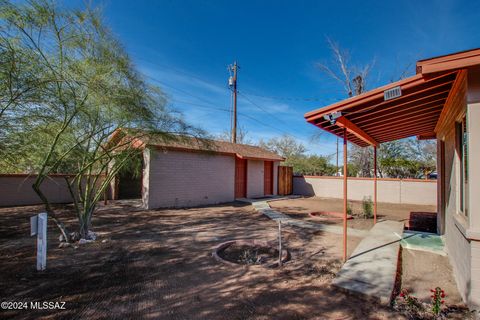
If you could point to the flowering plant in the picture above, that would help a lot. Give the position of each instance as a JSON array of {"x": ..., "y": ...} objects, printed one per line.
[{"x": 437, "y": 299}]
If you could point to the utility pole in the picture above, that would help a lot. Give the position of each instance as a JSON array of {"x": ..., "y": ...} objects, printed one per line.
[{"x": 232, "y": 82}]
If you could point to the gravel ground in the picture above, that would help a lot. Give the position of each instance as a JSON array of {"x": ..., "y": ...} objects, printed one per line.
[{"x": 158, "y": 264}]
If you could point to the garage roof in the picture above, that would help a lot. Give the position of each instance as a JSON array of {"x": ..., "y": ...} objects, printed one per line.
[{"x": 186, "y": 143}]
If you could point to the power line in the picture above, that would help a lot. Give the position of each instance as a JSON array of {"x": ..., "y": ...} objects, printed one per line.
[
  {"x": 287, "y": 98},
  {"x": 241, "y": 114},
  {"x": 177, "y": 89},
  {"x": 225, "y": 110},
  {"x": 261, "y": 108},
  {"x": 211, "y": 105}
]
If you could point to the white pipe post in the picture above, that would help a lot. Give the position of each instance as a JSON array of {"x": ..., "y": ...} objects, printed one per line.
[{"x": 42, "y": 241}]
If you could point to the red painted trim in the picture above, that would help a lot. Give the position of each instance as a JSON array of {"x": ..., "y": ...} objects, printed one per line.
[
  {"x": 232, "y": 154},
  {"x": 265, "y": 193}
]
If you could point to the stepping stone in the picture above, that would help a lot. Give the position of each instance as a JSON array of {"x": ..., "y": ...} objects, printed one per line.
[{"x": 372, "y": 268}]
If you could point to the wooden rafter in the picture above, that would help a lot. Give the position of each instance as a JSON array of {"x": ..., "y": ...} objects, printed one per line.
[{"x": 343, "y": 122}]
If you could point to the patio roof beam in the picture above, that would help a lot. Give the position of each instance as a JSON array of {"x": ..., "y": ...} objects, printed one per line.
[
  {"x": 406, "y": 134},
  {"x": 413, "y": 122},
  {"x": 412, "y": 117},
  {"x": 428, "y": 136},
  {"x": 352, "y": 128},
  {"x": 377, "y": 95},
  {"x": 401, "y": 128},
  {"x": 372, "y": 113},
  {"x": 402, "y": 112}
]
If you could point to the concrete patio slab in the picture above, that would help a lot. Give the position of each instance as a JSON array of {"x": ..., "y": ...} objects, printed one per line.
[{"x": 372, "y": 268}]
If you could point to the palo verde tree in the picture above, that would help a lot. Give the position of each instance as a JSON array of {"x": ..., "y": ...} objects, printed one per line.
[{"x": 65, "y": 103}]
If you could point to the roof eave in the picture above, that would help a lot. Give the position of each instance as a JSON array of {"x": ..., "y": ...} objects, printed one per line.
[{"x": 363, "y": 98}]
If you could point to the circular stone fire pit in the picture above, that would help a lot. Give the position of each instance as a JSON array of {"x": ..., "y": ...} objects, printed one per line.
[
  {"x": 329, "y": 215},
  {"x": 249, "y": 252}
]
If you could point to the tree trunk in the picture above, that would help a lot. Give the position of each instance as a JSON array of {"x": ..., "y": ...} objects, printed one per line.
[{"x": 52, "y": 213}]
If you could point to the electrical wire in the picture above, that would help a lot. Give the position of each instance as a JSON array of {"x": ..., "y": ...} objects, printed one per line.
[
  {"x": 211, "y": 104},
  {"x": 261, "y": 108}
]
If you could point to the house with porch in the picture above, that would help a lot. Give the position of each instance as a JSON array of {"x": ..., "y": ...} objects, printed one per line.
[{"x": 442, "y": 102}]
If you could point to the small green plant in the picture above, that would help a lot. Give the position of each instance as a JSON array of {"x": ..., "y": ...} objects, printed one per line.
[
  {"x": 367, "y": 206},
  {"x": 349, "y": 208},
  {"x": 410, "y": 305},
  {"x": 437, "y": 300},
  {"x": 249, "y": 256}
]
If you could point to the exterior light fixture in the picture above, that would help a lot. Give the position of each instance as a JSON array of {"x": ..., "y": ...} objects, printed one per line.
[{"x": 332, "y": 117}]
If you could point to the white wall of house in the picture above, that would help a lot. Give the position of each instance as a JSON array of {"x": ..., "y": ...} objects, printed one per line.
[
  {"x": 186, "y": 179},
  {"x": 255, "y": 178}
]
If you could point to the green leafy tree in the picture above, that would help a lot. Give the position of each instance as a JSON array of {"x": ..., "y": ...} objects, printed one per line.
[
  {"x": 286, "y": 146},
  {"x": 294, "y": 153},
  {"x": 61, "y": 109}
]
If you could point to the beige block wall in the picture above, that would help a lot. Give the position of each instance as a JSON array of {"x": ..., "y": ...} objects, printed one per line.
[
  {"x": 473, "y": 232},
  {"x": 462, "y": 233},
  {"x": 458, "y": 247},
  {"x": 474, "y": 299},
  {"x": 255, "y": 178},
  {"x": 16, "y": 190},
  {"x": 388, "y": 190},
  {"x": 185, "y": 179}
]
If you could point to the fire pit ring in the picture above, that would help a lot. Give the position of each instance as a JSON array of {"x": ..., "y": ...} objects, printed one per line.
[{"x": 219, "y": 252}]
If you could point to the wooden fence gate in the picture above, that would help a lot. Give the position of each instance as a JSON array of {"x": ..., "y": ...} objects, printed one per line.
[{"x": 285, "y": 180}]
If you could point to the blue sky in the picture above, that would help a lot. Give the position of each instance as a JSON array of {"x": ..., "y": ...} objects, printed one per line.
[{"x": 186, "y": 46}]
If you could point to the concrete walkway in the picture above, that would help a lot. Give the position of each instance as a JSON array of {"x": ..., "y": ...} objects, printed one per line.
[
  {"x": 262, "y": 206},
  {"x": 372, "y": 268}
]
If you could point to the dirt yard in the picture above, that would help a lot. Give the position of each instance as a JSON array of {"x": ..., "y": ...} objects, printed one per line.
[
  {"x": 420, "y": 270},
  {"x": 159, "y": 265},
  {"x": 300, "y": 208}
]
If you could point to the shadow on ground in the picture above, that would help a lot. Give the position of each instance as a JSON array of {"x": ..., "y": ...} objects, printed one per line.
[{"x": 157, "y": 264}]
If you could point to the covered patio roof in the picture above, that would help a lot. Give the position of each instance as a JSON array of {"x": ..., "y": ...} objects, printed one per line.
[
  {"x": 372, "y": 119},
  {"x": 409, "y": 107},
  {"x": 415, "y": 106}
]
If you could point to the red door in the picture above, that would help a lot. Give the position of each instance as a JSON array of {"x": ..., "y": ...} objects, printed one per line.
[
  {"x": 268, "y": 178},
  {"x": 240, "y": 178}
]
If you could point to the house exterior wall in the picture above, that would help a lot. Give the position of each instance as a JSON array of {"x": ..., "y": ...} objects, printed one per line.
[
  {"x": 458, "y": 247},
  {"x": 186, "y": 179},
  {"x": 255, "y": 178},
  {"x": 399, "y": 191},
  {"x": 462, "y": 232}
]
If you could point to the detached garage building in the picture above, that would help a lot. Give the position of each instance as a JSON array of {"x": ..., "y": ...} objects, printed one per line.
[{"x": 192, "y": 172}]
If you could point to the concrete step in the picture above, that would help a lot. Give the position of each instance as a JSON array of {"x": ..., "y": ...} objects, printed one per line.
[{"x": 372, "y": 268}]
